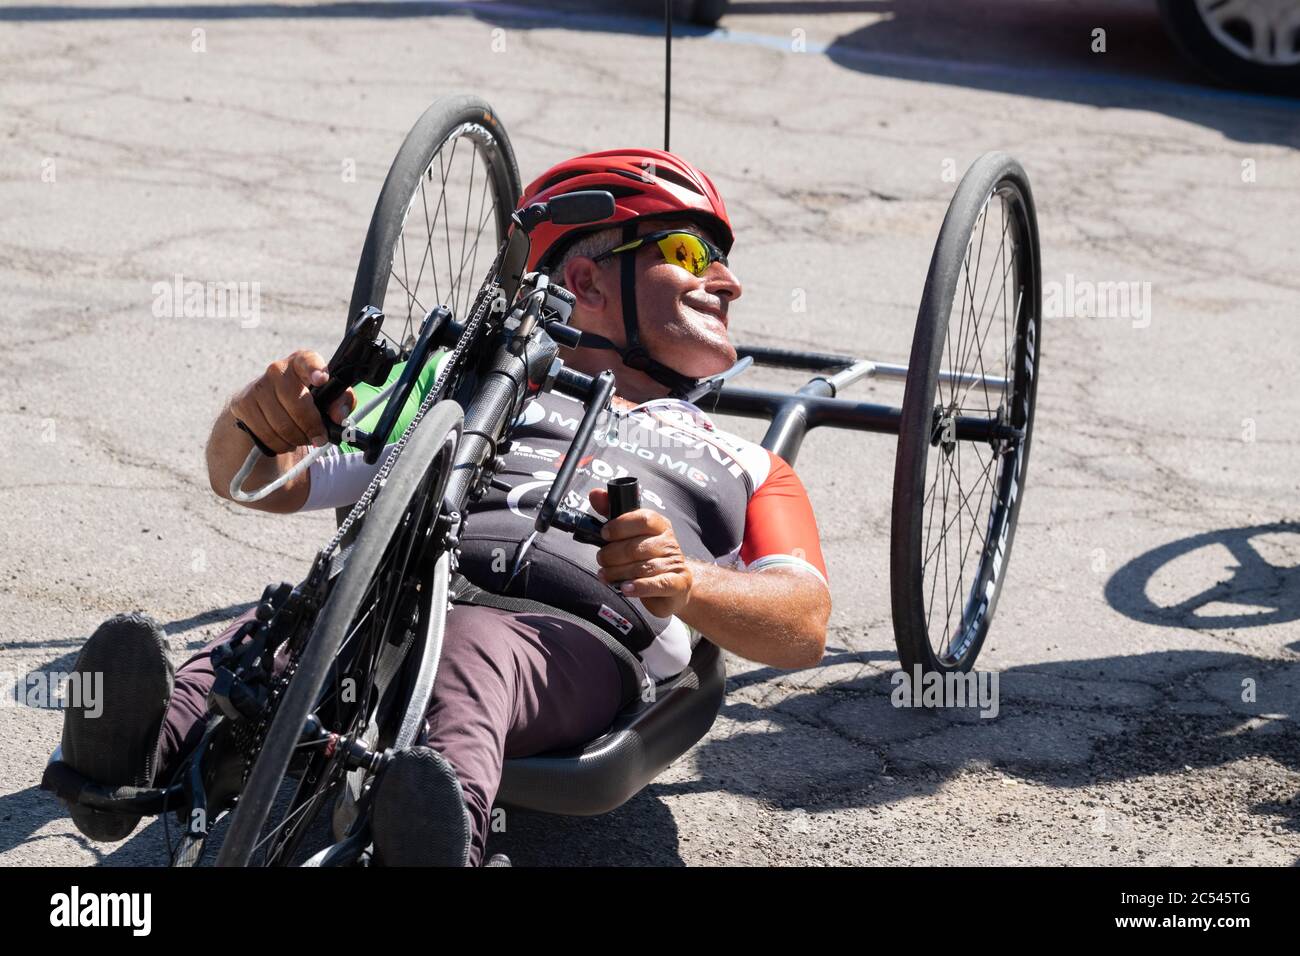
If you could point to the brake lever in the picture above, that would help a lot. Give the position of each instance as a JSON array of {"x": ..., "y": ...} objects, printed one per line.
[
  {"x": 599, "y": 393},
  {"x": 361, "y": 357}
]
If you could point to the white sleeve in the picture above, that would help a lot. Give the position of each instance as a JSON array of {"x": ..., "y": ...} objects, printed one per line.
[
  {"x": 337, "y": 480},
  {"x": 669, "y": 652}
]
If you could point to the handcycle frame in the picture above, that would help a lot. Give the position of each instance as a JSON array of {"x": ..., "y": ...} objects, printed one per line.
[
  {"x": 817, "y": 403},
  {"x": 653, "y": 732}
]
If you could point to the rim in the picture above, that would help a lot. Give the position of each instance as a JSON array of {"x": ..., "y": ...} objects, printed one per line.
[
  {"x": 391, "y": 595},
  {"x": 972, "y": 488},
  {"x": 1261, "y": 31},
  {"x": 453, "y": 224}
]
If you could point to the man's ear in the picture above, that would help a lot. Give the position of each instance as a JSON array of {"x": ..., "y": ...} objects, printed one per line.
[{"x": 586, "y": 280}]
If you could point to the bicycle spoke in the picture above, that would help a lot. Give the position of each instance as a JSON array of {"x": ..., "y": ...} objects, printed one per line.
[
  {"x": 425, "y": 256},
  {"x": 976, "y": 340},
  {"x": 943, "y": 533},
  {"x": 446, "y": 228},
  {"x": 406, "y": 286},
  {"x": 974, "y": 286},
  {"x": 980, "y": 340},
  {"x": 961, "y": 500},
  {"x": 431, "y": 225},
  {"x": 492, "y": 211},
  {"x": 929, "y": 527},
  {"x": 300, "y": 812},
  {"x": 947, "y": 590},
  {"x": 934, "y": 584},
  {"x": 474, "y": 248},
  {"x": 411, "y": 298},
  {"x": 464, "y": 233}
]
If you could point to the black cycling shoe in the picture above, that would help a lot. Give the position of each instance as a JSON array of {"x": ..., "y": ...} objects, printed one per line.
[
  {"x": 118, "y": 745},
  {"x": 419, "y": 816}
]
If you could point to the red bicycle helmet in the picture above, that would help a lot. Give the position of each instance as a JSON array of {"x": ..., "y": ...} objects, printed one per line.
[{"x": 644, "y": 182}]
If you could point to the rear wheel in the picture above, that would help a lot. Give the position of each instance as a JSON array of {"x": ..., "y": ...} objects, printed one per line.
[{"x": 972, "y": 371}]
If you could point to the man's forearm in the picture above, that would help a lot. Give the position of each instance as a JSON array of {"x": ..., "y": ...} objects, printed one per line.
[{"x": 776, "y": 617}]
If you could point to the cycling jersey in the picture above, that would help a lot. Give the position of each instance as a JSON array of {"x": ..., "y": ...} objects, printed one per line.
[{"x": 729, "y": 501}]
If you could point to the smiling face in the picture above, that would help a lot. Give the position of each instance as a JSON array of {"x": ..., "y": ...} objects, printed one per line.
[{"x": 683, "y": 319}]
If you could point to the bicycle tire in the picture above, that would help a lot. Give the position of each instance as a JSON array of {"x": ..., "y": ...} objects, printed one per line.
[
  {"x": 926, "y": 448},
  {"x": 432, "y": 445},
  {"x": 446, "y": 121}
]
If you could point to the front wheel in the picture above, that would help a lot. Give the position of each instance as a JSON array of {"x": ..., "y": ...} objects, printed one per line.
[
  {"x": 967, "y": 418},
  {"x": 381, "y": 591},
  {"x": 443, "y": 212}
]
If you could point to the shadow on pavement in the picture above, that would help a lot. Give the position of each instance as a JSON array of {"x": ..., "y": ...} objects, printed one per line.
[
  {"x": 1255, "y": 592},
  {"x": 1068, "y": 724},
  {"x": 1028, "y": 48}
]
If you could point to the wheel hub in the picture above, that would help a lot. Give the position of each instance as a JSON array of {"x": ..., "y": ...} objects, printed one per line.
[{"x": 943, "y": 430}]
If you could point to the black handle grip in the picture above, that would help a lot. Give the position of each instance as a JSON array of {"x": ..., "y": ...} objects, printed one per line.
[
  {"x": 624, "y": 495},
  {"x": 360, "y": 357}
]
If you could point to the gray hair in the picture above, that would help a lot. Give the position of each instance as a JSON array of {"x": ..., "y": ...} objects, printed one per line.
[{"x": 588, "y": 246}]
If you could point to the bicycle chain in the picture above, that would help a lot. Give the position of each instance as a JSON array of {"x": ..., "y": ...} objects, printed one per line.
[
  {"x": 252, "y": 738},
  {"x": 487, "y": 295}
]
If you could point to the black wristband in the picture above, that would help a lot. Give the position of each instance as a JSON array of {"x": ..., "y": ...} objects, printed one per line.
[{"x": 256, "y": 441}]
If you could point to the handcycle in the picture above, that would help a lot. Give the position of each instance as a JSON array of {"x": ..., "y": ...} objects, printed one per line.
[{"x": 332, "y": 676}]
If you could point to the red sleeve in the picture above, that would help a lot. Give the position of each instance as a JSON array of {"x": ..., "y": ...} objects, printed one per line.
[{"x": 779, "y": 521}]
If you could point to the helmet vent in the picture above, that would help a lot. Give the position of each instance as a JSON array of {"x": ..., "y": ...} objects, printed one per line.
[
  {"x": 665, "y": 172},
  {"x": 561, "y": 177}
]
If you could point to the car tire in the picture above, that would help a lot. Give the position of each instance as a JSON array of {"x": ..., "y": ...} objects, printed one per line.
[{"x": 1222, "y": 51}]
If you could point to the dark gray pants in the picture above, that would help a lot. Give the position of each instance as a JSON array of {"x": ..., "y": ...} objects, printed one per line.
[{"x": 509, "y": 684}]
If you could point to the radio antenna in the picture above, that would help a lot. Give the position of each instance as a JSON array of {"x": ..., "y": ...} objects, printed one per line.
[{"x": 668, "y": 65}]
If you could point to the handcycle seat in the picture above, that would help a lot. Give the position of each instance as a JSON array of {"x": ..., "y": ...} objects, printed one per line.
[
  {"x": 660, "y": 722},
  {"x": 643, "y": 740}
]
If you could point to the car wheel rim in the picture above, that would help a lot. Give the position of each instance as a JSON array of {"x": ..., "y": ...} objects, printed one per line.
[{"x": 1266, "y": 32}]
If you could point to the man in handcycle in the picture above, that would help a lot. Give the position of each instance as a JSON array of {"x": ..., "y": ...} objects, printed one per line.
[{"x": 725, "y": 543}]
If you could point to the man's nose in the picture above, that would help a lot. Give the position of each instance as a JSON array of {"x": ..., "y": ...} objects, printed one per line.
[{"x": 721, "y": 281}]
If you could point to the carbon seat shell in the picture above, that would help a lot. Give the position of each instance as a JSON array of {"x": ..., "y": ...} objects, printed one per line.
[{"x": 643, "y": 740}]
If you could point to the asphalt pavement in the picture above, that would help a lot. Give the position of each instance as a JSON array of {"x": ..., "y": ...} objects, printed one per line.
[{"x": 1148, "y": 638}]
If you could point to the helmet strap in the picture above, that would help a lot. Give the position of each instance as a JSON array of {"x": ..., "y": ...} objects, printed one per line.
[{"x": 633, "y": 353}]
